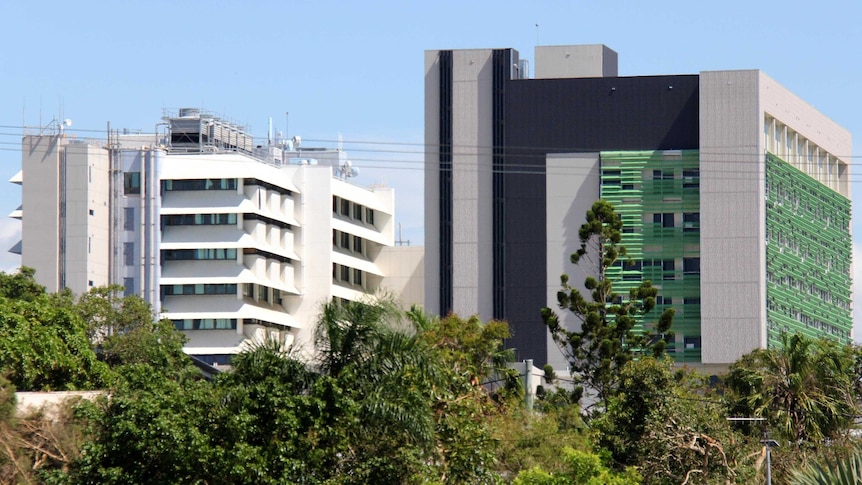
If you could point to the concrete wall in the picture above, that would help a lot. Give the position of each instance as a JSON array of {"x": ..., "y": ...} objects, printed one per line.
[
  {"x": 471, "y": 182},
  {"x": 732, "y": 216},
  {"x": 573, "y": 183},
  {"x": 733, "y": 106},
  {"x": 404, "y": 267},
  {"x": 40, "y": 193},
  {"x": 569, "y": 61},
  {"x": 432, "y": 182},
  {"x": 87, "y": 217},
  {"x": 50, "y": 402}
]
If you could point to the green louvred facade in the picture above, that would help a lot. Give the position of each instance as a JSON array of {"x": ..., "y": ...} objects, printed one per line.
[
  {"x": 808, "y": 254},
  {"x": 808, "y": 245},
  {"x": 657, "y": 195}
]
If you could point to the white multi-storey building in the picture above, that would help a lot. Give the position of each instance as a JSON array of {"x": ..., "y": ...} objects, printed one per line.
[{"x": 232, "y": 242}]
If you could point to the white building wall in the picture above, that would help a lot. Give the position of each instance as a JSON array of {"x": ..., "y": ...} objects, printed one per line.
[
  {"x": 404, "y": 270},
  {"x": 314, "y": 275},
  {"x": 295, "y": 261},
  {"x": 40, "y": 192},
  {"x": 573, "y": 183},
  {"x": 87, "y": 217}
]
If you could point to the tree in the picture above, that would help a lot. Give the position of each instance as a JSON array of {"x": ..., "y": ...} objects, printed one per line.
[
  {"x": 672, "y": 427},
  {"x": 107, "y": 312},
  {"x": 581, "y": 468},
  {"x": 43, "y": 347},
  {"x": 845, "y": 470},
  {"x": 606, "y": 339},
  {"x": 21, "y": 285},
  {"x": 805, "y": 388}
]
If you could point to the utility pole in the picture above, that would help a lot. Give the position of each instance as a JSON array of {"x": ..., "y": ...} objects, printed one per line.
[{"x": 769, "y": 443}]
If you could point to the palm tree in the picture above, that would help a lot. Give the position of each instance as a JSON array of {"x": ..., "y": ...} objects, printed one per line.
[
  {"x": 805, "y": 387},
  {"x": 842, "y": 471}
]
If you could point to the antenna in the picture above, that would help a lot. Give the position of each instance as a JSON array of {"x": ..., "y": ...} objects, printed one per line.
[
  {"x": 340, "y": 142},
  {"x": 401, "y": 241},
  {"x": 346, "y": 170},
  {"x": 537, "y": 34}
]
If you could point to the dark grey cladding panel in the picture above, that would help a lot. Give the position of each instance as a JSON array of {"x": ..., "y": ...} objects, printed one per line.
[
  {"x": 574, "y": 115},
  {"x": 593, "y": 114}
]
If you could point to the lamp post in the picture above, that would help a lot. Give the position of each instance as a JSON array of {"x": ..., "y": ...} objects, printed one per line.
[{"x": 769, "y": 443}]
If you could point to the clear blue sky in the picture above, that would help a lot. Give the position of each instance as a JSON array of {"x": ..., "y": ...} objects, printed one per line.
[{"x": 356, "y": 68}]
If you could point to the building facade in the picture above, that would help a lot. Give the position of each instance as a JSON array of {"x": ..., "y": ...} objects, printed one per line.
[
  {"x": 232, "y": 241},
  {"x": 734, "y": 195}
]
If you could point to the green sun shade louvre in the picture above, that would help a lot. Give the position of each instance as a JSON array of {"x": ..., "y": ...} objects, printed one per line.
[
  {"x": 657, "y": 195},
  {"x": 808, "y": 254}
]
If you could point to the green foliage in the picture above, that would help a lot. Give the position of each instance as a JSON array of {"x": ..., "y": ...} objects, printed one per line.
[
  {"x": 672, "y": 428},
  {"x": 846, "y": 470},
  {"x": 7, "y": 400},
  {"x": 582, "y": 468},
  {"x": 21, "y": 285},
  {"x": 43, "y": 348},
  {"x": 469, "y": 353},
  {"x": 606, "y": 339},
  {"x": 107, "y": 312},
  {"x": 530, "y": 440},
  {"x": 806, "y": 389},
  {"x": 383, "y": 403}
]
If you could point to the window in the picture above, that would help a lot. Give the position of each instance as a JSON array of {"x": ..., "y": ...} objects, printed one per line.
[
  {"x": 92, "y": 212},
  {"x": 357, "y": 244},
  {"x": 200, "y": 289},
  {"x": 334, "y": 204},
  {"x": 345, "y": 240},
  {"x": 129, "y": 218},
  {"x": 691, "y": 222},
  {"x": 345, "y": 274},
  {"x": 369, "y": 215},
  {"x": 357, "y": 277},
  {"x": 198, "y": 184},
  {"x": 357, "y": 212},
  {"x": 129, "y": 254},
  {"x": 666, "y": 219},
  {"x": 129, "y": 286},
  {"x": 692, "y": 342},
  {"x": 668, "y": 267},
  {"x": 132, "y": 183},
  {"x": 691, "y": 301},
  {"x": 198, "y": 254},
  {"x": 662, "y": 174},
  {"x": 632, "y": 265},
  {"x": 691, "y": 265},
  {"x": 345, "y": 207},
  {"x": 199, "y": 219},
  {"x": 691, "y": 178}
]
